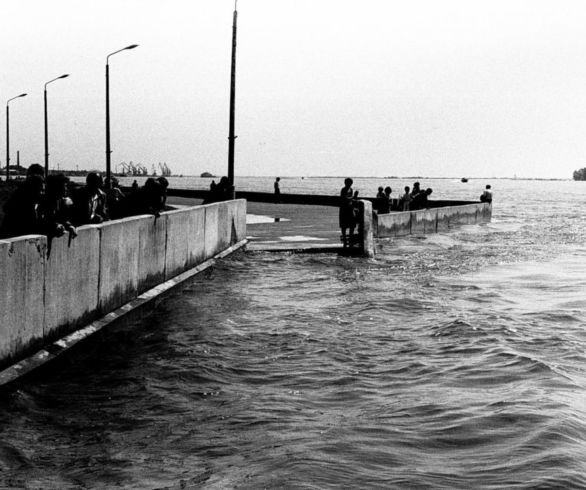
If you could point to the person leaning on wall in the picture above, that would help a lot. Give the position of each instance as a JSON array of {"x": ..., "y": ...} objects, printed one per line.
[{"x": 90, "y": 201}]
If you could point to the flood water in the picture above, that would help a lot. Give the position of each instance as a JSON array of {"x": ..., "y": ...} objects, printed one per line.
[{"x": 454, "y": 360}]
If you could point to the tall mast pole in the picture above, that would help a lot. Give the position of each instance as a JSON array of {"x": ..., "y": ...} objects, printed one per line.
[
  {"x": 7, "y": 143},
  {"x": 231, "y": 136}
]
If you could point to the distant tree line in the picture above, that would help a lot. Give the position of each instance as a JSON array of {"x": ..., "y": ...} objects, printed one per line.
[{"x": 580, "y": 174}]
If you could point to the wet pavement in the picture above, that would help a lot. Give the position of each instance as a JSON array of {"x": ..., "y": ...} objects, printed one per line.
[{"x": 284, "y": 227}]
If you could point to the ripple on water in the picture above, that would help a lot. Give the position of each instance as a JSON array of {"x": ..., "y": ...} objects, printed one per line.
[{"x": 454, "y": 361}]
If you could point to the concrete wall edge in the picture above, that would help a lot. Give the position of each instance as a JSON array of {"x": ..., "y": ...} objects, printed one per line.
[{"x": 25, "y": 368}]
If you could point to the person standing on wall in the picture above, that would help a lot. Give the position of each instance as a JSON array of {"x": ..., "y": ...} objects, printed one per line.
[
  {"x": 277, "y": 190},
  {"x": 347, "y": 218},
  {"x": 405, "y": 201}
]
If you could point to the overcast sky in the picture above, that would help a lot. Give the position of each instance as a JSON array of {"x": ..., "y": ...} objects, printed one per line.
[{"x": 324, "y": 87}]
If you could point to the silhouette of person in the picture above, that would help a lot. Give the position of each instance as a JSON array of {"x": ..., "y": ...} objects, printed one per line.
[
  {"x": 405, "y": 203},
  {"x": 149, "y": 198},
  {"x": 35, "y": 169},
  {"x": 277, "y": 190},
  {"x": 382, "y": 203},
  {"x": 388, "y": 192},
  {"x": 420, "y": 200},
  {"x": 90, "y": 202},
  {"x": 347, "y": 220},
  {"x": 486, "y": 195},
  {"x": 23, "y": 210},
  {"x": 416, "y": 189},
  {"x": 223, "y": 189},
  {"x": 57, "y": 207}
]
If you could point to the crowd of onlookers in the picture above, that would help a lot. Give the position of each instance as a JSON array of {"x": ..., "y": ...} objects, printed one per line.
[
  {"x": 415, "y": 198},
  {"x": 55, "y": 206},
  {"x": 412, "y": 199}
]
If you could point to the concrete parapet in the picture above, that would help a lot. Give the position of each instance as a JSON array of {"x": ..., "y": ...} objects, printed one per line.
[
  {"x": 486, "y": 212},
  {"x": 196, "y": 239},
  {"x": 367, "y": 228},
  {"x": 177, "y": 242},
  {"x": 224, "y": 225},
  {"x": 464, "y": 215},
  {"x": 417, "y": 222},
  {"x": 51, "y": 288},
  {"x": 211, "y": 230},
  {"x": 424, "y": 221},
  {"x": 152, "y": 244},
  {"x": 237, "y": 216},
  {"x": 443, "y": 218},
  {"x": 431, "y": 220},
  {"x": 119, "y": 251},
  {"x": 393, "y": 224},
  {"x": 71, "y": 281},
  {"x": 22, "y": 283}
]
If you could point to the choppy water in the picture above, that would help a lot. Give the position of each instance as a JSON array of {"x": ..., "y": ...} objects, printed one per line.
[{"x": 454, "y": 360}]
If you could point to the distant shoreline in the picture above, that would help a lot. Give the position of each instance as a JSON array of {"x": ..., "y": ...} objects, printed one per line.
[
  {"x": 408, "y": 177},
  {"x": 83, "y": 173}
]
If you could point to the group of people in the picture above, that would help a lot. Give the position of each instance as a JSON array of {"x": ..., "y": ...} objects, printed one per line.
[
  {"x": 53, "y": 207},
  {"x": 415, "y": 198},
  {"x": 221, "y": 191}
]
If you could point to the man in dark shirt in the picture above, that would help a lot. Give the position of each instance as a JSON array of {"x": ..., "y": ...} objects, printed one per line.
[{"x": 420, "y": 200}]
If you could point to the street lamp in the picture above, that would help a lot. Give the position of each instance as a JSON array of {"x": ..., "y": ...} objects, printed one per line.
[
  {"x": 108, "y": 150},
  {"x": 8, "y": 136},
  {"x": 46, "y": 127}
]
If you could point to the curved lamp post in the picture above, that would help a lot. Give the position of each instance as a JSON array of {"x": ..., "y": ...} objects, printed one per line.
[
  {"x": 8, "y": 135},
  {"x": 108, "y": 150},
  {"x": 46, "y": 126}
]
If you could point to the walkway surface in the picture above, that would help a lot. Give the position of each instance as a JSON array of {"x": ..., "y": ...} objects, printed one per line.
[{"x": 286, "y": 226}]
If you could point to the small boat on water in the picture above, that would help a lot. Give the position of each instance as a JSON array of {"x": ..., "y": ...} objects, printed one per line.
[{"x": 464, "y": 179}]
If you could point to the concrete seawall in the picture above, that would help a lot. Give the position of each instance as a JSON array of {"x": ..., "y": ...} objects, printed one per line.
[
  {"x": 51, "y": 288},
  {"x": 309, "y": 199},
  {"x": 431, "y": 220}
]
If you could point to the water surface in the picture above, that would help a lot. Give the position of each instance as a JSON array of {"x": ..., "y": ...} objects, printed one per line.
[{"x": 453, "y": 360}]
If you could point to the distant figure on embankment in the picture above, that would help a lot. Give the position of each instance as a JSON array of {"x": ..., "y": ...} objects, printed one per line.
[
  {"x": 222, "y": 191},
  {"x": 277, "y": 190},
  {"x": 149, "y": 199},
  {"x": 347, "y": 217},
  {"x": 486, "y": 195}
]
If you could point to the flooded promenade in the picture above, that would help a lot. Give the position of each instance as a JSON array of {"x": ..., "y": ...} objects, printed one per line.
[{"x": 453, "y": 360}]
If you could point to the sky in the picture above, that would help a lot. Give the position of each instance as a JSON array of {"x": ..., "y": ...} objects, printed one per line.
[{"x": 436, "y": 88}]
